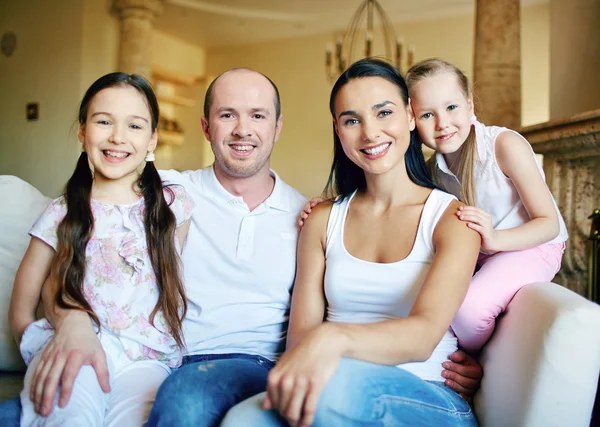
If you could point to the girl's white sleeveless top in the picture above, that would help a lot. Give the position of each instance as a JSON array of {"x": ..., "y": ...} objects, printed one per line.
[
  {"x": 359, "y": 291},
  {"x": 495, "y": 192}
]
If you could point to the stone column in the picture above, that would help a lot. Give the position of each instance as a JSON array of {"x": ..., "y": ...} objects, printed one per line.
[
  {"x": 571, "y": 149},
  {"x": 136, "y": 20},
  {"x": 497, "y": 62}
]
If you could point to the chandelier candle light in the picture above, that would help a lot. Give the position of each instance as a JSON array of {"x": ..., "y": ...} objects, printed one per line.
[{"x": 339, "y": 57}]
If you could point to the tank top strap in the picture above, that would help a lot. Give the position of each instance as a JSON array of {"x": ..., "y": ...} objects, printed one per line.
[
  {"x": 335, "y": 225},
  {"x": 435, "y": 206}
]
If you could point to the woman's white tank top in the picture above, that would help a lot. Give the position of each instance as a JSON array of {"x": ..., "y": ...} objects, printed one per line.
[{"x": 359, "y": 291}]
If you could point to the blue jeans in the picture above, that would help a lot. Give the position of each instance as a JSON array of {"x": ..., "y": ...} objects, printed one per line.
[
  {"x": 368, "y": 395},
  {"x": 205, "y": 387},
  {"x": 10, "y": 413}
]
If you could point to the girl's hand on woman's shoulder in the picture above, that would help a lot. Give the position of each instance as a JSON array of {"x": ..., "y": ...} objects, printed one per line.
[
  {"x": 296, "y": 382},
  {"x": 480, "y": 221},
  {"x": 308, "y": 209}
]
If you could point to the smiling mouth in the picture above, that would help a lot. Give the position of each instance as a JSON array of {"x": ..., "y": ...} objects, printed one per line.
[
  {"x": 116, "y": 154},
  {"x": 242, "y": 147},
  {"x": 373, "y": 151},
  {"x": 445, "y": 137}
]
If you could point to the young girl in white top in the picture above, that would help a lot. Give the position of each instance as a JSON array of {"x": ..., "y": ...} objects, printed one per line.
[
  {"x": 380, "y": 274},
  {"x": 494, "y": 171},
  {"x": 109, "y": 247}
]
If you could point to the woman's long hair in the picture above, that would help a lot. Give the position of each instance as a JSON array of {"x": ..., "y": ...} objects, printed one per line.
[
  {"x": 345, "y": 176},
  {"x": 75, "y": 230},
  {"x": 468, "y": 154}
]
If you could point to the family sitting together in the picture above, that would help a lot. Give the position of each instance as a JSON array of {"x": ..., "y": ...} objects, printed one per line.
[{"x": 192, "y": 299}]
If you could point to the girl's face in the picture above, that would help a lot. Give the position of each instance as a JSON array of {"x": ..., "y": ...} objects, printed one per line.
[
  {"x": 118, "y": 133},
  {"x": 373, "y": 123},
  {"x": 442, "y": 112}
]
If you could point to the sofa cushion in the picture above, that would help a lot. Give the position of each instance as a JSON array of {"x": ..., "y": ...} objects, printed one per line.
[
  {"x": 20, "y": 206},
  {"x": 541, "y": 366}
]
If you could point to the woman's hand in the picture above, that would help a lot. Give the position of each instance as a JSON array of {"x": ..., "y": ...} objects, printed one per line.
[
  {"x": 73, "y": 345},
  {"x": 296, "y": 382},
  {"x": 480, "y": 221},
  {"x": 308, "y": 209}
]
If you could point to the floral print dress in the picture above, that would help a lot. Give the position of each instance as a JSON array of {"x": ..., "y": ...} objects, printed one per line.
[{"x": 119, "y": 282}]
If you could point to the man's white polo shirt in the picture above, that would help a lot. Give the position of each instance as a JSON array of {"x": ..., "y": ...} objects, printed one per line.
[{"x": 239, "y": 267}]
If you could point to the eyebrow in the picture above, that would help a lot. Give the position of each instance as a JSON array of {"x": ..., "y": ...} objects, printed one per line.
[
  {"x": 265, "y": 111},
  {"x": 374, "y": 107},
  {"x": 110, "y": 115}
]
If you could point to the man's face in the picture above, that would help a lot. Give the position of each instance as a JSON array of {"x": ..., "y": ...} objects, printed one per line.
[{"x": 241, "y": 126}]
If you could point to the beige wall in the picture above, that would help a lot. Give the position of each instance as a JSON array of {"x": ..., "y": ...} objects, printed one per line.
[
  {"x": 303, "y": 154},
  {"x": 185, "y": 59},
  {"x": 62, "y": 50},
  {"x": 45, "y": 68},
  {"x": 535, "y": 64},
  {"x": 100, "y": 43},
  {"x": 574, "y": 56}
]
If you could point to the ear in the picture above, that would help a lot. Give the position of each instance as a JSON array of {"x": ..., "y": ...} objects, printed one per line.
[
  {"x": 471, "y": 104},
  {"x": 81, "y": 134},
  {"x": 411, "y": 116},
  {"x": 153, "y": 141},
  {"x": 205, "y": 127},
  {"x": 278, "y": 127}
]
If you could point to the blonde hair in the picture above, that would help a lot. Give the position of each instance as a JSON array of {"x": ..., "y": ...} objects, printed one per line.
[{"x": 468, "y": 154}]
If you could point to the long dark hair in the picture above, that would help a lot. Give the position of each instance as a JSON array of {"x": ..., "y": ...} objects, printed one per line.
[
  {"x": 75, "y": 229},
  {"x": 345, "y": 176}
]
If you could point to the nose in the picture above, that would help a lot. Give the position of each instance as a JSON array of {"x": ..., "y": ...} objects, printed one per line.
[
  {"x": 441, "y": 121},
  {"x": 117, "y": 136},
  {"x": 370, "y": 130},
  {"x": 242, "y": 128}
]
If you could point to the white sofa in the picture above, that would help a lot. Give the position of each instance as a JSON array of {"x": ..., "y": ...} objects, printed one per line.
[{"x": 540, "y": 367}]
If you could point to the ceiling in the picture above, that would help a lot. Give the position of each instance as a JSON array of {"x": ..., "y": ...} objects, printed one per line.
[{"x": 218, "y": 23}]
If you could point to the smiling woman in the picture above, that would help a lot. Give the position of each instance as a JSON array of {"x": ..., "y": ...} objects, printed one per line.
[{"x": 386, "y": 265}]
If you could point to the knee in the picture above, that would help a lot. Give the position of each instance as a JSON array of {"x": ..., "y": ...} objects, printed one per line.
[
  {"x": 250, "y": 413},
  {"x": 474, "y": 316},
  {"x": 182, "y": 400}
]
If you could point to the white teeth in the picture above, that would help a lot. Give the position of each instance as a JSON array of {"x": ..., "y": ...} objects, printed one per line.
[
  {"x": 376, "y": 150},
  {"x": 242, "y": 147},
  {"x": 115, "y": 154}
]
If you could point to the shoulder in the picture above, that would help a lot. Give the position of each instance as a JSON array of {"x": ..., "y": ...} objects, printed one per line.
[
  {"x": 316, "y": 223},
  {"x": 184, "y": 178},
  {"x": 513, "y": 152},
  {"x": 508, "y": 140},
  {"x": 450, "y": 230}
]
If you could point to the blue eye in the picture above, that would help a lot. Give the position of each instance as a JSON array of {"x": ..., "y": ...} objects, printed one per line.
[
  {"x": 352, "y": 121},
  {"x": 136, "y": 127},
  {"x": 384, "y": 113},
  {"x": 427, "y": 116},
  {"x": 452, "y": 107}
]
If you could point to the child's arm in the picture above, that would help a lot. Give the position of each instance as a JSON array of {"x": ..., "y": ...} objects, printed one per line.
[
  {"x": 516, "y": 161},
  {"x": 27, "y": 289}
]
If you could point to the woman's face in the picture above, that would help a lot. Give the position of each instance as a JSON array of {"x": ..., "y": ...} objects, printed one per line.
[{"x": 373, "y": 123}]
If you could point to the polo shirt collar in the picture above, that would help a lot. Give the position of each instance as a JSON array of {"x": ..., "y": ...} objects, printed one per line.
[{"x": 278, "y": 199}]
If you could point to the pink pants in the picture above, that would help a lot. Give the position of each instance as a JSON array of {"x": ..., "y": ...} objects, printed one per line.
[{"x": 494, "y": 285}]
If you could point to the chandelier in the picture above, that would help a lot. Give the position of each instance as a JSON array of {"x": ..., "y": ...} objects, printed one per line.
[{"x": 379, "y": 40}]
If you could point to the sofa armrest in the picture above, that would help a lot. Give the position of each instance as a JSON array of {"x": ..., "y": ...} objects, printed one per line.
[{"x": 541, "y": 365}]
